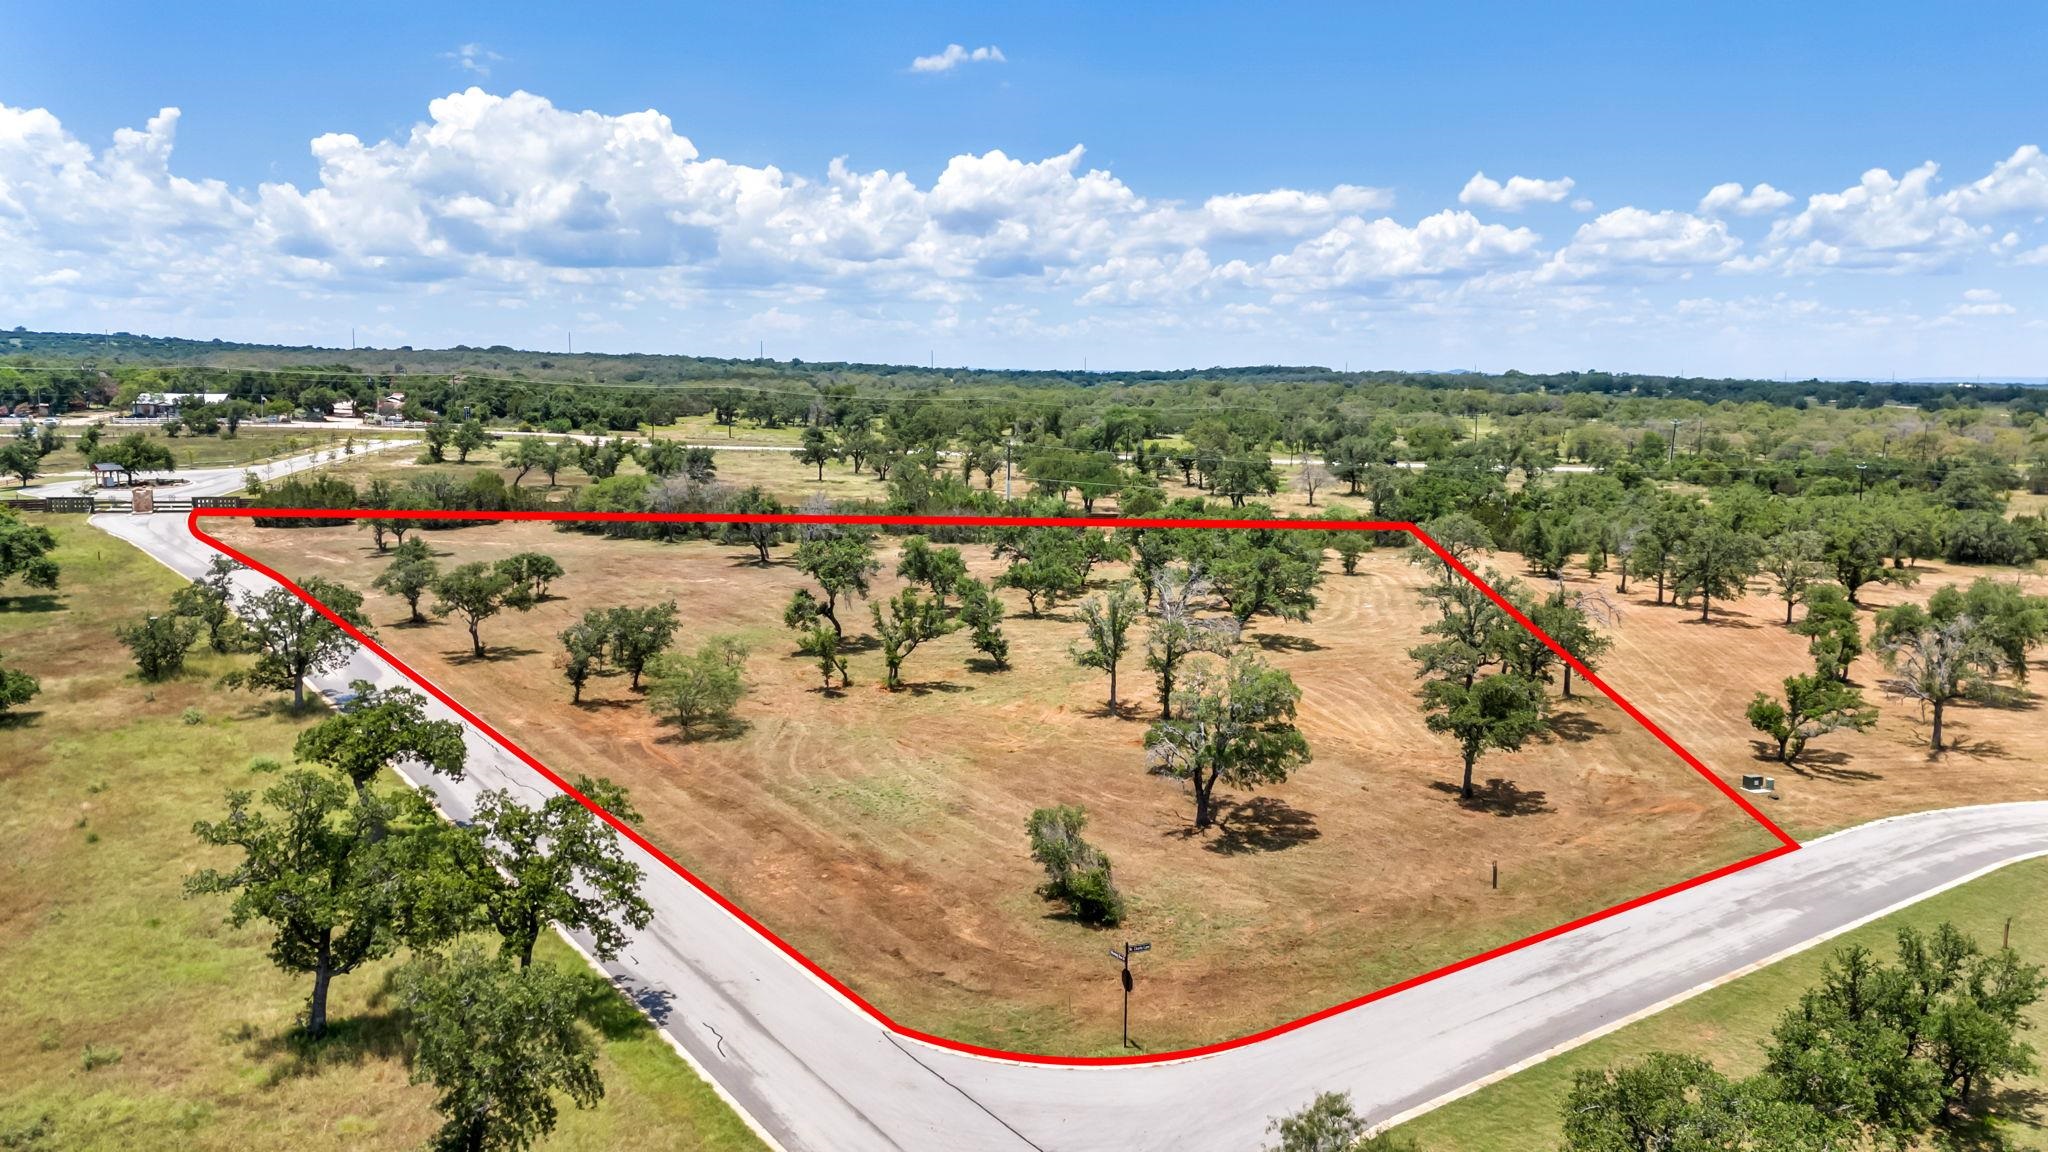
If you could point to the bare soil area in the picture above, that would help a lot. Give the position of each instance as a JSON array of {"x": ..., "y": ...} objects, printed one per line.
[{"x": 883, "y": 833}]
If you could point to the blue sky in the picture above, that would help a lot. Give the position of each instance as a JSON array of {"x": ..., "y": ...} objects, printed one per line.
[{"x": 1256, "y": 184}]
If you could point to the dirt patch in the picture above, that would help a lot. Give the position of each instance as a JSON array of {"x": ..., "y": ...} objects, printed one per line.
[{"x": 882, "y": 833}]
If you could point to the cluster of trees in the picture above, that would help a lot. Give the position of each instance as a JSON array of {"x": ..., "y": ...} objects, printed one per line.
[
  {"x": 1077, "y": 874},
  {"x": 1484, "y": 672},
  {"x": 1876, "y": 1056},
  {"x": 22, "y": 456},
  {"x": 345, "y": 873}
]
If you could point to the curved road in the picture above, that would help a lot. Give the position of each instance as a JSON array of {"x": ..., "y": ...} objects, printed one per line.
[{"x": 813, "y": 1072}]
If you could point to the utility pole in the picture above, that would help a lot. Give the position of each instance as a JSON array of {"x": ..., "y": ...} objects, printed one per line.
[
  {"x": 1671, "y": 457},
  {"x": 1007, "y": 441}
]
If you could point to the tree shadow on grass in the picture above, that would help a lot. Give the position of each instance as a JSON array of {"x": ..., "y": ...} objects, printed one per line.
[
  {"x": 984, "y": 666},
  {"x": 1978, "y": 1131},
  {"x": 1500, "y": 797},
  {"x": 17, "y": 719},
  {"x": 927, "y": 687},
  {"x": 1815, "y": 763},
  {"x": 492, "y": 652},
  {"x": 705, "y": 731},
  {"x": 1575, "y": 727},
  {"x": 1281, "y": 642},
  {"x": 350, "y": 1040},
  {"x": 32, "y": 602},
  {"x": 1726, "y": 619},
  {"x": 1262, "y": 824}
]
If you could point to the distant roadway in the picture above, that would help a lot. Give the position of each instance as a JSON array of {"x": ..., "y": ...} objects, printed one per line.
[{"x": 812, "y": 1072}]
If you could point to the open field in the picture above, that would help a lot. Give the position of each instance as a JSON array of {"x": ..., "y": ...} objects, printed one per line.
[
  {"x": 883, "y": 834},
  {"x": 1730, "y": 1024},
  {"x": 252, "y": 444},
  {"x": 1696, "y": 678},
  {"x": 100, "y": 781}
]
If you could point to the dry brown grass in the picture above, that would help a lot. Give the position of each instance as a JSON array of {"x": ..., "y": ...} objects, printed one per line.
[
  {"x": 1696, "y": 678},
  {"x": 882, "y": 833}
]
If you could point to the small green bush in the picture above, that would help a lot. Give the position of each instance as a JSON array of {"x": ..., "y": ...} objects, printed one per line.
[
  {"x": 99, "y": 1057},
  {"x": 192, "y": 717},
  {"x": 1076, "y": 872}
]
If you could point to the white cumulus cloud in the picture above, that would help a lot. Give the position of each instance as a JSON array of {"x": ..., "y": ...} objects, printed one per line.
[
  {"x": 1729, "y": 197},
  {"x": 1518, "y": 193},
  {"x": 955, "y": 55}
]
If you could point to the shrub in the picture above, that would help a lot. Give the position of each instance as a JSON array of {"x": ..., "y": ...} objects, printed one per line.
[
  {"x": 1076, "y": 873},
  {"x": 159, "y": 644},
  {"x": 192, "y": 717}
]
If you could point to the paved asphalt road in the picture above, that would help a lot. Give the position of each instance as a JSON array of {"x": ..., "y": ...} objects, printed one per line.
[{"x": 814, "y": 1073}]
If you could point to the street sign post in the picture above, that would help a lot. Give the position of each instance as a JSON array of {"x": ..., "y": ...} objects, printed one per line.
[{"x": 1124, "y": 957}]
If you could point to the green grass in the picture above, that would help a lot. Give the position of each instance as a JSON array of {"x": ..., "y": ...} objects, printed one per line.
[
  {"x": 1729, "y": 1025},
  {"x": 131, "y": 1017},
  {"x": 252, "y": 444}
]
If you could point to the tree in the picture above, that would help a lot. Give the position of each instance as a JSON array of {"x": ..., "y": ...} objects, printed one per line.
[
  {"x": 1934, "y": 661},
  {"x": 532, "y": 452},
  {"x": 663, "y": 458},
  {"x": 16, "y": 688},
  {"x": 1177, "y": 631},
  {"x": 1266, "y": 570},
  {"x": 822, "y": 644},
  {"x": 476, "y": 592},
  {"x": 1834, "y": 635},
  {"x": 1569, "y": 618},
  {"x": 981, "y": 611},
  {"x": 292, "y": 640},
  {"x": 1106, "y": 621},
  {"x": 1716, "y": 563},
  {"x": 935, "y": 569},
  {"x": 377, "y": 729},
  {"x": 637, "y": 635},
  {"x": 1230, "y": 722},
  {"x": 530, "y": 574},
  {"x": 498, "y": 1043},
  {"x": 817, "y": 449},
  {"x": 159, "y": 643},
  {"x": 411, "y": 573},
  {"x": 1496, "y": 712},
  {"x": 1350, "y": 545},
  {"x": 1076, "y": 873},
  {"x": 1328, "y": 1124},
  {"x": 1311, "y": 477},
  {"x": 209, "y": 601},
  {"x": 583, "y": 644},
  {"x": 558, "y": 863},
  {"x": 326, "y": 871},
  {"x": 842, "y": 565},
  {"x": 25, "y": 551},
  {"x": 1660, "y": 537},
  {"x": 1892, "y": 1050},
  {"x": 703, "y": 686},
  {"x": 2010, "y": 622},
  {"x": 469, "y": 436},
  {"x": 910, "y": 621},
  {"x": 758, "y": 536},
  {"x": 1047, "y": 565},
  {"x": 20, "y": 461},
  {"x": 1814, "y": 705},
  {"x": 1678, "y": 1103},
  {"x": 1795, "y": 561},
  {"x": 138, "y": 452}
]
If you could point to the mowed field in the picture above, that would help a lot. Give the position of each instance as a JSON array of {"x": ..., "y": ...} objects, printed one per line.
[
  {"x": 883, "y": 833},
  {"x": 1695, "y": 679}
]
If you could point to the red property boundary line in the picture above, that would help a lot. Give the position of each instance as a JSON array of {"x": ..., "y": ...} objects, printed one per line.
[{"x": 1785, "y": 842}]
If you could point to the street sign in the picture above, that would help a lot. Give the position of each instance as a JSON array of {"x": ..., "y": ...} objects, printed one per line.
[
  {"x": 1135, "y": 948},
  {"x": 1116, "y": 955}
]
